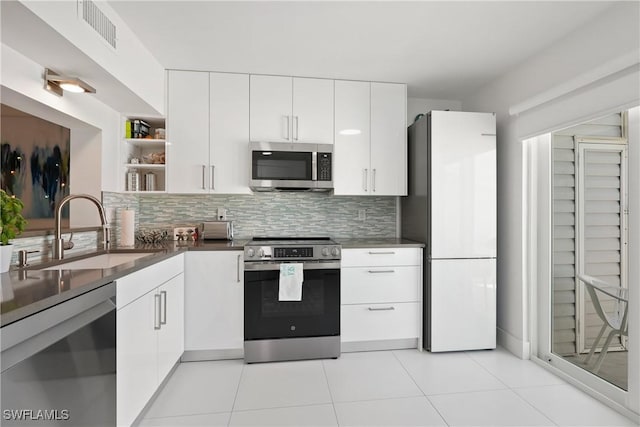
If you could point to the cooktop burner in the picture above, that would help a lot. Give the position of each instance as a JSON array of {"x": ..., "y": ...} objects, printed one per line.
[{"x": 291, "y": 248}]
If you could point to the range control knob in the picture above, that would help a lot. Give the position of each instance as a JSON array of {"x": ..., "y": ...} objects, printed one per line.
[
  {"x": 325, "y": 251},
  {"x": 261, "y": 253},
  {"x": 250, "y": 252},
  {"x": 335, "y": 251}
]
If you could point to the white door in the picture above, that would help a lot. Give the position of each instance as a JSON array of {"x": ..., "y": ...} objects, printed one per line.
[
  {"x": 171, "y": 332},
  {"x": 214, "y": 311},
  {"x": 270, "y": 108},
  {"x": 229, "y": 131},
  {"x": 388, "y": 139},
  {"x": 351, "y": 169},
  {"x": 312, "y": 110},
  {"x": 463, "y": 185},
  {"x": 136, "y": 357},
  {"x": 463, "y": 304},
  {"x": 187, "y": 132}
]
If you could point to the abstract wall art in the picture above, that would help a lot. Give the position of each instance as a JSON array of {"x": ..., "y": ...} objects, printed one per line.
[{"x": 35, "y": 162}]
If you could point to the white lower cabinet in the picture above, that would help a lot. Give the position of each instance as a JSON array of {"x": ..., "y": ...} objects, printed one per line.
[
  {"x": 149, "y": 333},
  {"x": 214, "y": 299},
  {"x": 381, "y": 298}
]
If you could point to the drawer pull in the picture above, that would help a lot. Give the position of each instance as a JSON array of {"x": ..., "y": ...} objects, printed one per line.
[
  {"x": 381, "y": 308},
  {"x": 381, "y": 271},
  {"x": 382, "y": 253}
]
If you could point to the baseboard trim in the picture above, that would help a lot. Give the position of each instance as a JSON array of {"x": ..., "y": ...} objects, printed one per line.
[
  {"x": 349, "y": 347},
  {"x": 514, "y": 345},
  {"x": 201, "y": 355}
]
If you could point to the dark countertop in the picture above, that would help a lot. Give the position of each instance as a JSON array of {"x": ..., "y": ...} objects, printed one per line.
[
  {"x": 30, "y": 290},
  {"x": 379, "y": 243}
]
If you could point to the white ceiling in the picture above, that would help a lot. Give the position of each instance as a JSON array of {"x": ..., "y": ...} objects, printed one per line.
[{"x": 442, "y": 50}]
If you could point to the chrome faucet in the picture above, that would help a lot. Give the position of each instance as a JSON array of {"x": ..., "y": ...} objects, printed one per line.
[{"x": 58, "y": 247}]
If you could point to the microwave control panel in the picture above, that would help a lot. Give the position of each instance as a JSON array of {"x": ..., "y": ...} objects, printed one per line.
[{"x": 324, "y": 166}]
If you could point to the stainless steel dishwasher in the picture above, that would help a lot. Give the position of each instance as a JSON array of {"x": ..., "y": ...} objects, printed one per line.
[{"x": 59, "y": 365}]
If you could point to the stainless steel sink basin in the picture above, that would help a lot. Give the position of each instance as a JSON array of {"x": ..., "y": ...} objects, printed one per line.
[{"x": 104, "y": 260}]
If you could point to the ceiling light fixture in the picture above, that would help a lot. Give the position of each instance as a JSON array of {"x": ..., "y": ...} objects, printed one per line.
[{"x": 56, "y": 83}]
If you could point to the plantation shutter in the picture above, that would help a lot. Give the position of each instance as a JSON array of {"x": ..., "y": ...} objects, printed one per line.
[
  {"x": 601, "y": 233},
  {"x": 587, "y": 235}
]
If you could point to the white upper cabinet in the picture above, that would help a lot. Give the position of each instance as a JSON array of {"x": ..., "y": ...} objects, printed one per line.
[
  {"x": 270, "y": 108},
  {"x": 312, "y": 111},
  {"x": 388, "y": 139},
  {"x": 187, "y": 131},
  {"x": 208, "y": 118},
  {"x": 352, "y": 141},
  {"x": 229, "y": 133},
  {"x": 291, "y": 109},
  {"x": 370, "y": 139}
]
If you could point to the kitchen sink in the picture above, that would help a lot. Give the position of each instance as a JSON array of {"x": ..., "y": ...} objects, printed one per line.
[{"x": 99, "y": 261}]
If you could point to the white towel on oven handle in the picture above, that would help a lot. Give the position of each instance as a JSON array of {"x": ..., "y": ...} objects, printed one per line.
[{"x": 291, "y": 278}]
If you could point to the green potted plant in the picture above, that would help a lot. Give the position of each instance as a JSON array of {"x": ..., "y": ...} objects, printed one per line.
[{"x": 12, "y": 224}]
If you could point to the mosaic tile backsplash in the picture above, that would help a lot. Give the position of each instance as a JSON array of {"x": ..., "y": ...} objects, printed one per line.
[
  {"x": 258, "y": 214},
  {"x": 264, "y": 214}
]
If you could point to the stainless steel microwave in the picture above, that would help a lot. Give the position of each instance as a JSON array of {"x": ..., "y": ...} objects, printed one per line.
[{"x": 291, "y": 166}]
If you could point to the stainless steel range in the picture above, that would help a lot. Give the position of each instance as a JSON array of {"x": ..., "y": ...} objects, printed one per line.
[{"x": 279, "y": 326}]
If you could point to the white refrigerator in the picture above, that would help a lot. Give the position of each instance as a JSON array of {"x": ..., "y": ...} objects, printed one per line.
[{"x": 451, "y": 207}]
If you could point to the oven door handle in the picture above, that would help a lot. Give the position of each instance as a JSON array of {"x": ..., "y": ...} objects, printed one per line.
[{"x": 272, "y": 266}]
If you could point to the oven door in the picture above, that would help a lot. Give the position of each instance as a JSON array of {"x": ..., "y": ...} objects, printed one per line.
[{"x": 317, "y": 315}]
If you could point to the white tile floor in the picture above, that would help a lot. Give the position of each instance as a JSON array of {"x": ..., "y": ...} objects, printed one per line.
[{"x": 384, "y": 388}]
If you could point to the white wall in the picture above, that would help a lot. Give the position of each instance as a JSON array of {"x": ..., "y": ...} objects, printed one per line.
[
  {"x": 417, "y": 106},
  {"x": 131, "y": 63},
  {"x": 606, "y": 50},
  {"x": 94, "y": 126}
]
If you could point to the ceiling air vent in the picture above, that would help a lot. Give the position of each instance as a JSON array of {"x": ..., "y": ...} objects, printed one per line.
[{"x": 93, "y": 16}]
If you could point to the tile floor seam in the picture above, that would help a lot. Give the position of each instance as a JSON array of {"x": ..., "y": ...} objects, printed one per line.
[
  {"x": 305, "y": 405},
  {"x": 333, "y": 403},
  {"x": 186, "y": 415},
  {"x": 488, "y": 371},
  {"x": 467, "y": 391},
  {"x": 535, "y": 408},
  {"x": 419, "y": 388},
  {"x": 235, "y": 397}
]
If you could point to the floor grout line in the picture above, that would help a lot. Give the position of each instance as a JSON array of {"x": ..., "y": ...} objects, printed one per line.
[
  {"x": 333, "y": 404},
  {"x": 235, "y": 397},
  {"x": 419, "y": 388}
]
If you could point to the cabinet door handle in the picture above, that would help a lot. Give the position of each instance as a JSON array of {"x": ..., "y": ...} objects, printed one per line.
[
  {"x": 163, "y": 316},
  {"x": 381, "y": 271},
  {"x": 382, "y": 253},
  {"x": 487, "y": 134},
  {"x": 381, "y": 308},
  {"x": 365, "y": 175},
  {"x": 373, "y": 178},
  {"x": 295, "y": 119},
  {"x": 156, "y": 311},
  {"x": 238, "y": 269},
  {"x": 203, "y": 168},
  {"x": 288, "y": 128},
  {"x": 213, "y": 179}
]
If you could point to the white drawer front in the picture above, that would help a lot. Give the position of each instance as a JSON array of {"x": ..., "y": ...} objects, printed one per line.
[
  {"x": 134, "y": 285},
  {"x": 372, "y": 322},
  {"x": 379, "y": 284},
  {"x": 381, "y": 257}
]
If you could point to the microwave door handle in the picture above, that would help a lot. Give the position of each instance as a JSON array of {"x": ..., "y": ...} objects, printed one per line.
[{"x": 314, "y": 166}]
